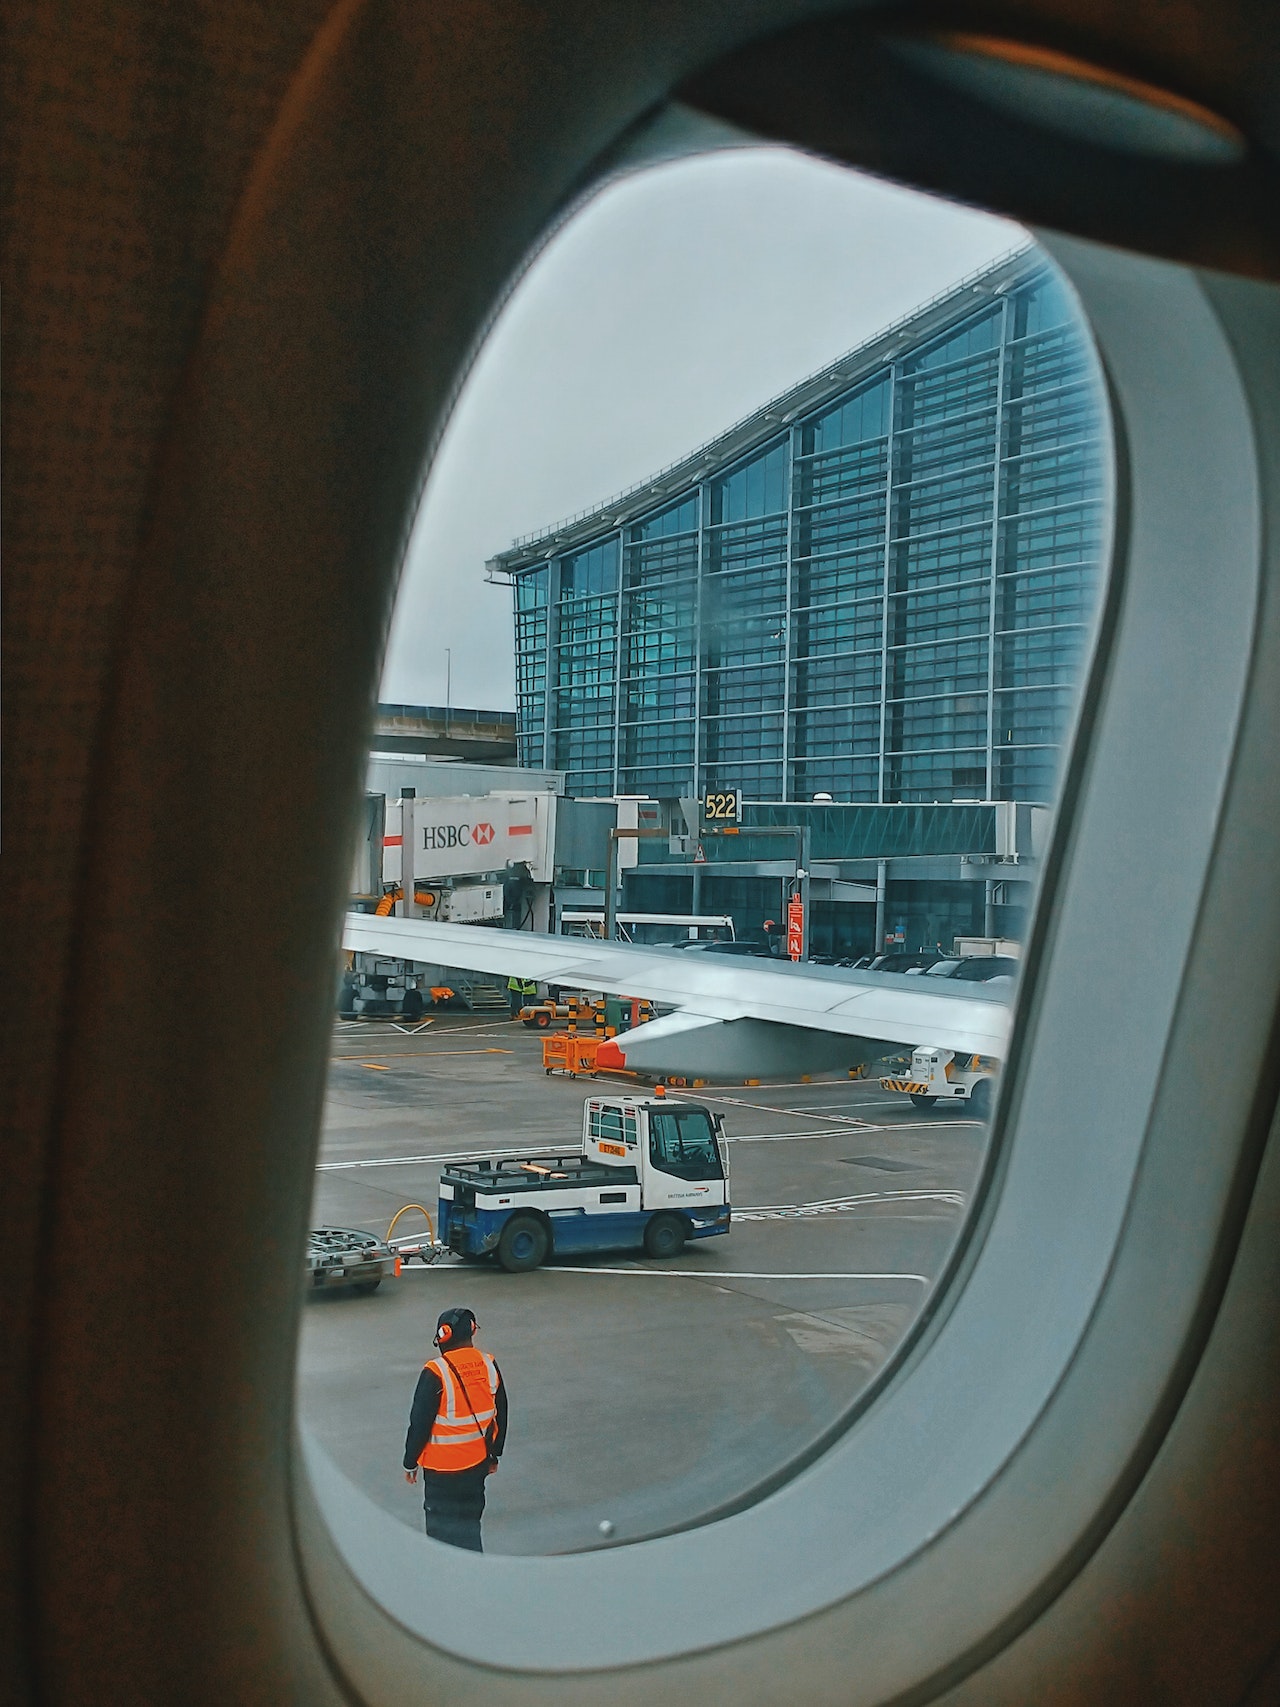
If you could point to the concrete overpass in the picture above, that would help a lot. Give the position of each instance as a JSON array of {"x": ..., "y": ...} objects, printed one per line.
[{"x": 451, "y": 732}]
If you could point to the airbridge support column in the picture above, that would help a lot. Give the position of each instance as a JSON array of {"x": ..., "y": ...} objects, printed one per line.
[
  {"x": 405, "y": 907},
  {"x": 882, "y": 885},
  {"x": 541, "y": 908}
]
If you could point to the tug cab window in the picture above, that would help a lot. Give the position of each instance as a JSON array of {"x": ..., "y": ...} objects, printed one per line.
[{"x": 682, "y": 1142}]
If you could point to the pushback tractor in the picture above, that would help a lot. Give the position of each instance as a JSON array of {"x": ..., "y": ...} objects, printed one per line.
[
  {"x": 940, "y": 1075},
  {"x": 651, "y": 1174}
]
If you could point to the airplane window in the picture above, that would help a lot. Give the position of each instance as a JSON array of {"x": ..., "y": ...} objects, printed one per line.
[{"x": 725, "y": 795}]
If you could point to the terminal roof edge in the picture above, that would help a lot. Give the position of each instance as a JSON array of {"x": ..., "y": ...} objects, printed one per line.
[{"x": 924, "y": 322}]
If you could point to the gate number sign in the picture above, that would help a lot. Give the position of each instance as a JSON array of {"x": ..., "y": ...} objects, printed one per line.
[{"x": 722, "y": 806}]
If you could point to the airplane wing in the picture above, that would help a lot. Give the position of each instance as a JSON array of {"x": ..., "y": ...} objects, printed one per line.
[{"x": 733, "y": 1017}]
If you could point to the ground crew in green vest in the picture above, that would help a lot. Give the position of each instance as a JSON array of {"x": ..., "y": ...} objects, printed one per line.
[
  {"x": 520, "y": 992},
  {"x": 457, "y": 1430}
]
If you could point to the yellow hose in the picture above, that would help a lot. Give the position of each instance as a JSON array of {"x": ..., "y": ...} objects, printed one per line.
[
  {"x": 421, "y": 897},
  {"x": 404, "y": 1211}
]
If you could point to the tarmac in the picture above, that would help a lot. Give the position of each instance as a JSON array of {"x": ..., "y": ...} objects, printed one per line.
[{"x": 644, "y": 1395}]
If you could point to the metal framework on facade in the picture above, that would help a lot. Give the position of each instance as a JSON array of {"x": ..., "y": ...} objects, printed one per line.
[{"x": 877, "y": 586}]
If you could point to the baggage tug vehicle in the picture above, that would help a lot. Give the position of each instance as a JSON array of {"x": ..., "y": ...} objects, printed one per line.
[{"x": 652, "y": 1173}]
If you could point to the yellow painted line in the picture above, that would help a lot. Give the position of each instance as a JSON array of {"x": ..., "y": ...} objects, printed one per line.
[
  {"x": 374, "y": 1067},
  {"x": 419, "y": 1055}
]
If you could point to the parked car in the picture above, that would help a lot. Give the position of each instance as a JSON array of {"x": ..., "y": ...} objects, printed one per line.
[
  {"x": 919, "y": 961},
  {"x": 745, "y": 947},
  {"x": 976, "y": 968}
]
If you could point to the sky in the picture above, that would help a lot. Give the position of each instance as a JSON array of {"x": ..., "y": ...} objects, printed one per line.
[{"x": 678, "y": 300}]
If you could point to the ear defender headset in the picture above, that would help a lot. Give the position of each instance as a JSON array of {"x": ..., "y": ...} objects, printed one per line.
[{"x": 452, "y": 1323}]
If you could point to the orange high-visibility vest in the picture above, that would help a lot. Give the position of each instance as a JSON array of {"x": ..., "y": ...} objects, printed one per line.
[{"x": 459, "y": 1436}]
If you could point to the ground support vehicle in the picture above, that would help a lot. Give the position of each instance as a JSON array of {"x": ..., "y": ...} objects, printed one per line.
[
  {"x": 606, "y": 1017},
  {"x": 346, "y": 1256},
  {"x": 939, "y": 1075},
  {"x": 575, "y": 1010},
  {"x": 651, "y": 1173}
]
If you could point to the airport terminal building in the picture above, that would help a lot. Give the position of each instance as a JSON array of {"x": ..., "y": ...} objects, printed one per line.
[{"x": 877, "y": 586}]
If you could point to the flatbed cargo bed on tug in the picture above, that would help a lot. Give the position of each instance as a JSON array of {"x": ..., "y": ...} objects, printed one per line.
[{"x": 535, "y": 1173}]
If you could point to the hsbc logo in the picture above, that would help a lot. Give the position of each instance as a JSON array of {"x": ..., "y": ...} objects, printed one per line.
[{"x": 437, "y": 837}]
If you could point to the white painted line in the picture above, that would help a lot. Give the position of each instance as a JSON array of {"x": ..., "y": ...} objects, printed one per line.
[
  {"x": 449, "y": 1156},
  {"x": 820, "y": 1085},
  {"x": 845, "y": 1205},
  {"x": 870, "y": 1102},
  {"x": 371, "y": 1028},
  {"x": 681, "y": 1273},
  {"x": 550, "y": 1148},
  {"x": 909, "y": 1125},
  {"x": 795, "y": 1113},
  {"x": 790, "y": 1137},
  {"x": 399, "y": 1057},
  {"x": 860, "y": 1197}
]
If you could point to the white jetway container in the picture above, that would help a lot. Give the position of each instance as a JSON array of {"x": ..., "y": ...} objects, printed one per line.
[
  {"x": 467, "y": 852},
  {"x": 473, "y": 835}
]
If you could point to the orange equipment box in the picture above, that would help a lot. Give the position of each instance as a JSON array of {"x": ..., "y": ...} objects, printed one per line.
[{"x": 564, "y": 1052}]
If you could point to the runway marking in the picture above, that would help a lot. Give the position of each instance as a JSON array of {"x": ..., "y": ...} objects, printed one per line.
[
  {"x": 910, "y": 1125},
  {"x": 503, "y": 1030},
  {"x": 819, "y": 1085},
  {"x": 685, "y": 1273},
  {"x": 420, "y": 1055},
  {"x": 876, "y": 1102},
  {"x": 842, "y": 1205},
  {"x": 789, "y": 1137},
  {"x": 443, "y": 1156},
  {"x": 796, "y": 1113},
  {"x": 375, "y": 1028},
  {"x": 550, "y": 1147}
]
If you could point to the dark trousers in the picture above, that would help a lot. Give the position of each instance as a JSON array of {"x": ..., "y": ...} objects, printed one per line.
[
  {"x": 516, "y": 999},
  {"x": 454, "y": 1505}
]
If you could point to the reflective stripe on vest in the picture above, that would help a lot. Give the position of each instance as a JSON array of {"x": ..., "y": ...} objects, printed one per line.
[{"x": 459, "y": 1438}]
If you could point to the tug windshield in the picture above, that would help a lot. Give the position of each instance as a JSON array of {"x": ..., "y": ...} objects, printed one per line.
[{"x": 682, "y": 1142}]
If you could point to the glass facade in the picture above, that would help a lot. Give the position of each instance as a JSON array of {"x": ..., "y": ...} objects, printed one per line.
[{"x": 883, "y": 596}]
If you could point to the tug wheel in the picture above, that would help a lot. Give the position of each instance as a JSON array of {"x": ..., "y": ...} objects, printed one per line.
[
  {"x": 665, "y": 1236},
  {"x": 524, "y": 1244},
  {"x": 980, "y": 1100}
]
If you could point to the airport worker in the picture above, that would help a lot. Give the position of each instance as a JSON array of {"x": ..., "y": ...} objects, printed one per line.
[
  {"x": 457, "y": 1430},
  {"x": 519, "y": 990}
]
